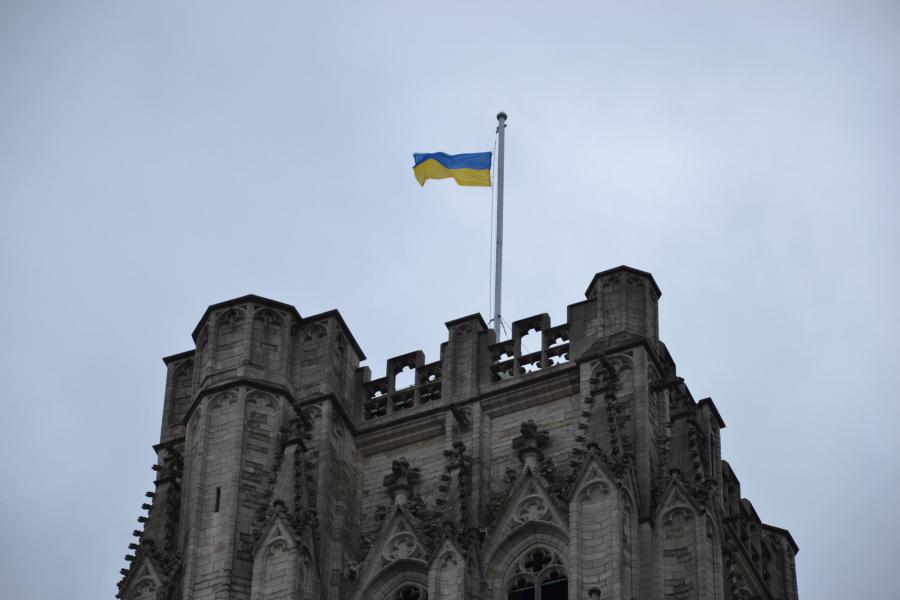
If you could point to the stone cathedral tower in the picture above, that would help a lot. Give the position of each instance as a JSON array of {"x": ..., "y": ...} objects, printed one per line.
[{"x": 577, "y": 466}]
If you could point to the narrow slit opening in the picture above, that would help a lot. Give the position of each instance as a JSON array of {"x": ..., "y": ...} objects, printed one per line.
[{"x": 218, "y": 498}]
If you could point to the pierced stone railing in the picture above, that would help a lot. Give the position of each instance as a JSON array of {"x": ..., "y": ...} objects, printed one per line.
[
  {"x": 381, "y": 401},
  {"x": 502, "y": 360},
  {"x": 508, "y": 359}
]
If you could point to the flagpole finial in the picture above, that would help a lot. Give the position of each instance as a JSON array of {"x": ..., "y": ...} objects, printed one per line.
[{"x": 501, "y": 116}]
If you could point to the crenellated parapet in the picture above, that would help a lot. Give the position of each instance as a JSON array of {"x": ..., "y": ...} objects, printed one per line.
[{"x": 568, "y": 461}]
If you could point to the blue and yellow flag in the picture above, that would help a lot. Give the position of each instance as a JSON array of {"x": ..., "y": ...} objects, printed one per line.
[{"x": 466, "y": 169}]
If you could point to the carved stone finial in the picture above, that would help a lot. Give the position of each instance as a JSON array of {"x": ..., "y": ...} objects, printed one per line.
[
  {"x": 456, "y": 457},
  {"x": 605, "y": 377},
  {"x": 463, "y": 422},
  {"x": 353, "y": 568},
  {"x": 400, "y": 481},
  {"x": 297, "y": 431},
  {"x": 530, "y": 442},
  {"x": 471, "y": 537}
]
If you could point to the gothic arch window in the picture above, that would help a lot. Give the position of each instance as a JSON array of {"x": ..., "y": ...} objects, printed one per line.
[
  {"x": 411, "y": 592},
  {"x": 538, "y": 575}
]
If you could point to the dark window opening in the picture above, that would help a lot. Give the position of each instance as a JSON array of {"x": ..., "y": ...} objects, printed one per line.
[
  {"x": 539, "y": 576},
  {"x": 412, "y": 592},
  {"x": 555, "y": 590},
  {"x": 526, "y": 594},
  {"x": 218, "y": 498}
]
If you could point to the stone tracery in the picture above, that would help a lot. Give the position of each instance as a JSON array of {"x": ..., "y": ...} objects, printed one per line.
[{"x": 538, "y": 575}]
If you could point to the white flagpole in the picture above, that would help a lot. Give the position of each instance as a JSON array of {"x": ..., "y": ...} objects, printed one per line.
[{"x": 498, "y": 267}]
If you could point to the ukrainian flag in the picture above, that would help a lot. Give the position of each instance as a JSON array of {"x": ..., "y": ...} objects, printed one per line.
[{"x": 466, "y": 169}]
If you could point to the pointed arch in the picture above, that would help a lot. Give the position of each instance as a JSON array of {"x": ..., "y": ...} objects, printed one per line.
[
  {"x": 398, "y": 542},
  {"x": 501, "y": 562},
  {"x": 144, "y": 589},
  {"x": 267, "y": 338},
  {"x": 447, "y": 571},
  {"x": 229, "y": 330},
  {"x": 528, "y": 502},
  {"x": 144, "y": 581},
  {"x": 314, "y": 332},
  {"x": 262, "y": 399},
  {"x": 615, "y": 369},
  {"x": 675, "y": 496},
  {"x": 680, "y": 537},
  {"x": 603, "y": 526},
  {"x": 392, "y": 580},
  {"x": 282, "y": 567},
  {"x": 595, "y": 519}
]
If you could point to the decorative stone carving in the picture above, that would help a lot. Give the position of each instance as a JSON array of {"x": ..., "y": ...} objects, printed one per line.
[
  {"x": 535, "y": 569},
  {"x": 454, "y": 486},
  {"x": 529, "y": 443},
  {"x": 411, "y": 592},
  {"x": 261, "y": 400},
  {"x": 531, "y": 508},
  {"x": 222, "y": 399},
  {"x": 556, "y": 482},
  {"x": 144, "y": 590},
  {"x": 167, "y": 566},
  {"x": 456, "y": 457},
  {"x": 230, "y": 318},
  {"x": 401, "y": 545},
  {"x": 449, "y": 559},
  {"x": 316, "y": 331},
  {"x": 463, "y": 419},
  {"x": 352, "y": 569},
  {"x": 313, "y": 412},
  {"x": 594, "y": 490},
  {"x": 170, "y": 466},
  {"x": 497, "y": 500},
  {"x": 296, "y": 431},
  {"x": 462, "y": 330},
  {"x": 400, "y": 480},
  {"x": 337, "y": 427},
  {"x": 604, "y": 377},
  {"x": 279, "y": 546},
  {"x": 678, "y": 517}
]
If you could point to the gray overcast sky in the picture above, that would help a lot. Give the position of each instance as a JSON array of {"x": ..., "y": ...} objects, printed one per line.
[{"x": 157, "y": 157}]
